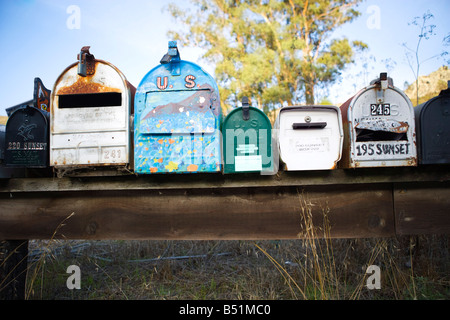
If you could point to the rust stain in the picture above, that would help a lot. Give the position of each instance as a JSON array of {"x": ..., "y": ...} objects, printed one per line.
[
  {"x": 83, "y": 86},
  {"x": 86, "y": 85}
]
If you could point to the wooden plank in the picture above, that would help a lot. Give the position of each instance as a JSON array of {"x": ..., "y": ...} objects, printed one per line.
[
  {"x": 231, "y": 213},
  {"x": 217, "y": 180},
  {"x": 422, "y": 208}
]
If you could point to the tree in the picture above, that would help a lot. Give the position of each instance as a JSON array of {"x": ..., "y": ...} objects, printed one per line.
[{"x": 274, "y": 51}]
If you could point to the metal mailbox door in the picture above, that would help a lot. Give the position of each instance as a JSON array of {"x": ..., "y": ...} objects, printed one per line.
[
  {"x": 2, "y": 142},
  {"x": 90, "y": 116},
  {"x": 177, "y": 119},
  {"x": 433, "y": 129},
  {"x": 26, "y": 138},
  {"x": 7, "y": 172},
  {"x": 247, "y": 141},
  {"x": 309, "y": 137},
  {"x": 379, "y": 127}
]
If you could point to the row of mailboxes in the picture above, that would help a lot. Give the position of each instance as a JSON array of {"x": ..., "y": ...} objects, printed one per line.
[
  {"x": 172, "y": 123},
  {"x": 374, "y": 128}
]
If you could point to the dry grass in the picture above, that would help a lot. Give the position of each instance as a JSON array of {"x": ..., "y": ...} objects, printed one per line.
[{"x": 240, "y": 269}]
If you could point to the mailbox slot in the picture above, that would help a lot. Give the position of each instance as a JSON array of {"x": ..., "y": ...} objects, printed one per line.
[
  {"x": 316, "y": 125},
  {"x": 90, "y": 100}
]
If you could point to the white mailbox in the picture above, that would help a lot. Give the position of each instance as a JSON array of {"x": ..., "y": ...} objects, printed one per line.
[
  {"x": 309, "y": 137},
  {"x": 379, "y": 127},
  {"x": 92, "y": 104}
]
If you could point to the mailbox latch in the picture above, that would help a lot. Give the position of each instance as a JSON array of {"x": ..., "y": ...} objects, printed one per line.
[
  {"x": 172, "y": 57},
  {"x": 245, "y": 109},
  {"x": 383, "y": 82},
  {"x": 86, "y": 62}
]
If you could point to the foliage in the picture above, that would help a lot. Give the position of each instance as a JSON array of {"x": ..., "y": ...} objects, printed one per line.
[
  {"x": 273, "y": 51},
  {"x": 426, "y": 30}
]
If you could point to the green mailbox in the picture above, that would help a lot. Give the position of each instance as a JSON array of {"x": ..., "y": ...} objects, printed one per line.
[{"x": 247, "y": 141}]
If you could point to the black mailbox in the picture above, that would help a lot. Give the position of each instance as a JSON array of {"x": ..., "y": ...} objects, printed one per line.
[
  {"x": 26, "y": 138},
  {"x": 433, "y": 129},
  {"x": 26, "y": 135}
]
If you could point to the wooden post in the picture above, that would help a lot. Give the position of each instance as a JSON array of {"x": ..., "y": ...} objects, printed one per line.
[{"x": 13, "y": 269}]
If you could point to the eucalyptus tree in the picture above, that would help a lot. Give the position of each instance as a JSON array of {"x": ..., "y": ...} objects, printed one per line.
[{"x": 274, "y": 51}]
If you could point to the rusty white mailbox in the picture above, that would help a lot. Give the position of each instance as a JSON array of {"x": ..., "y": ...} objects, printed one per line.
[
  {"x": 379, "y": 127},
  {"x": 433, "y": 129},
  {"x": 91, "y": 109},
  {"x": 309, "y": 137}
]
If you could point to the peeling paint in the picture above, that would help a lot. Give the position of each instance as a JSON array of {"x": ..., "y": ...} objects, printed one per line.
[{"x": 383, "y": 125}]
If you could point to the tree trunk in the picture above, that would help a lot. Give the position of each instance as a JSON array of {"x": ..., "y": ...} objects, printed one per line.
[{"x": 309, "y": 92}]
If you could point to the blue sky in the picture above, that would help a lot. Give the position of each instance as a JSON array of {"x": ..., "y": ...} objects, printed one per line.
[{"x": 40, "y": 38}]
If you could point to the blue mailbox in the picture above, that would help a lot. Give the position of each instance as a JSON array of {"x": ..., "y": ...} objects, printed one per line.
[{"x": 177, "y": 119}]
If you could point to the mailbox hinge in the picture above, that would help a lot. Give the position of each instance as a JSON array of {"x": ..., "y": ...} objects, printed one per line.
[
  {"x": 245, "y": 109},
  {"x": 172, "y": 57},
  {"x": 86, "y": 62}
]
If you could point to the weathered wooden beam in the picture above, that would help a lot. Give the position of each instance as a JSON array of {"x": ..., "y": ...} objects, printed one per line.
[
  {"x": 219, "y": 181},
  {"x": 422, "y": 208},
  {"x": 377, "y": 202},
  {"x": 232, "y": 213}
]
